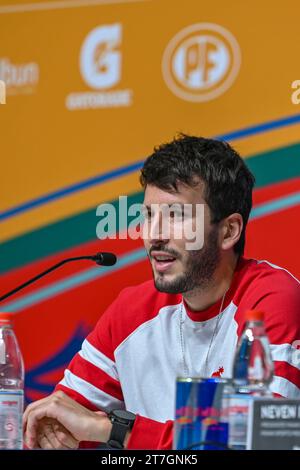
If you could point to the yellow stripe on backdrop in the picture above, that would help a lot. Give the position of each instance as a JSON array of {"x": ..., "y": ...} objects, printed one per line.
[
  {"x": 125, "y": 185},
  {"x": 267, "y": 141},
  {"x": 68, "y": 206}
]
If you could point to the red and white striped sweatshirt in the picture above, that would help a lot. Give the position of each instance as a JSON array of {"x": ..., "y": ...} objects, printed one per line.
[{"x": 133, "y": 356}]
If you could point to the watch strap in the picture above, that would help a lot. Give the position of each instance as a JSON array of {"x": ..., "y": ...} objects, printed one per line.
[{"x": 118, "y": 434}]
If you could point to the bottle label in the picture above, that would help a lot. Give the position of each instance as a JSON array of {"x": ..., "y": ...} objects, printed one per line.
[
  {"x": 237, "y": 411},
  {"x": 11, "y": 411}
]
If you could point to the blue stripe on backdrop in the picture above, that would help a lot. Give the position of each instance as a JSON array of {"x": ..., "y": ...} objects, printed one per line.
[
  {"x": 99, "y": 179},
  {"x": 132, "y": 167},
  {"x": 261, "y": 210}
]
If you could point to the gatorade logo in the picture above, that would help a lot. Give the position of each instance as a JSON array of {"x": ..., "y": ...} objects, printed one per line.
[
  {"x": 100, "y": 59},
  {"x": 201, "y": 62},
  {"x": 101, "y": 69}
]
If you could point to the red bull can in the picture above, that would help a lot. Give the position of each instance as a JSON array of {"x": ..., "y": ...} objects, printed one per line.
[{"x": 200, "y": 421}]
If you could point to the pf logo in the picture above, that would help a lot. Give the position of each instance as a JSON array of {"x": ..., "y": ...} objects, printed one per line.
[
  {"x": 100, "y": 60},
  {"x": 201, "y": 62}
]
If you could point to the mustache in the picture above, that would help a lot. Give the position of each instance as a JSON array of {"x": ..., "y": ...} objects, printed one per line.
[{"x": 169, "y": 251}]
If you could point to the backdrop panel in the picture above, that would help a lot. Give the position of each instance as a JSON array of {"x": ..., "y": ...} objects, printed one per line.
[{"x": 91, "y": 87}]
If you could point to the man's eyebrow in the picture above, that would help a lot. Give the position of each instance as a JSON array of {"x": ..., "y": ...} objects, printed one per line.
[{"x": 177, "y": 204}]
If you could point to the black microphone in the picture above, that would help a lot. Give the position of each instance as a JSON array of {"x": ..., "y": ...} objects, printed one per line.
[{"x": 102, "y": 259}]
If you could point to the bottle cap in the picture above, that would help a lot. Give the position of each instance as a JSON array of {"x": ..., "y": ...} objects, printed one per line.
[
  {"x": 254, "y": 315},
  {"x": 5, "y": 318}
]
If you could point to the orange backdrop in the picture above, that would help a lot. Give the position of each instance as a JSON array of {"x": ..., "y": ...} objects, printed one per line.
[{"x": 91, "y": 87}]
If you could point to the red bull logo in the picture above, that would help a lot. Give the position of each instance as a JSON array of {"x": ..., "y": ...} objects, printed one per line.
[
  {"x": 209, "y": 422},
  {"x": 197, "y": 412},
  {"x": 184, "y": 420}
]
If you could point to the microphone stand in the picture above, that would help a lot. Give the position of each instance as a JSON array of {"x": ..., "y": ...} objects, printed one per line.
[{"x": 99, "y": 258}]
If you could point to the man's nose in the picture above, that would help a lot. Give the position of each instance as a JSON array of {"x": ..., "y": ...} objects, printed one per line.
[{"x": 159, "y": 230}]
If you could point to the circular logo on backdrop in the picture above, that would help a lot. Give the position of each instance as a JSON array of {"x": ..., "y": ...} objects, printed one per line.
[
  {"x": 201, "y": 62},
  {"x": 100, "y": 60}
]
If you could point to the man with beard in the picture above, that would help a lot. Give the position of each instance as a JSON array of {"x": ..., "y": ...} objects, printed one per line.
[{"x": 185, "y": 323}]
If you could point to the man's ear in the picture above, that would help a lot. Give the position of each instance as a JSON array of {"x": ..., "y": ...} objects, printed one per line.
[{"x": 231, "y": 231}]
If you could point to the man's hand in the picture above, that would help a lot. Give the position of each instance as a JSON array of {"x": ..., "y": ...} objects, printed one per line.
[
  {"x": 53, "y": 435},
  {"x": 80, "y": 423}
]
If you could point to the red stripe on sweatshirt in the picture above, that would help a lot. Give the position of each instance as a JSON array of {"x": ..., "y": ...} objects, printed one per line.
[
  {"x": 285, "y": 370},
  {"x": 76, "y": 396},
  {"x": 95, "y": 376}
]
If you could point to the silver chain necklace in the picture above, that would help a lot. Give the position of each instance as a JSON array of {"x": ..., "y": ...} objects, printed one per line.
[{"x": 181, "y": 322}]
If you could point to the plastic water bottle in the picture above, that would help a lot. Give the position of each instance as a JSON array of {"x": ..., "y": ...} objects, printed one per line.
[
  {"x": 251, "y": 376},
  {"x": 11, "y": 386},
  {"x": 253, "y": 365}
]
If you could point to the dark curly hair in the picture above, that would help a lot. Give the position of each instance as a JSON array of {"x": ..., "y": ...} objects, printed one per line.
[{"x": 228, "y": 183}]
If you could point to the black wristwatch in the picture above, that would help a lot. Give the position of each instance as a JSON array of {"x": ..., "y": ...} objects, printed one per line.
[{"x": 122, "y": 421}]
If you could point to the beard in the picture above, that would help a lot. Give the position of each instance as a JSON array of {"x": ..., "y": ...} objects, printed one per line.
[{"x": 199, "y": 269}]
